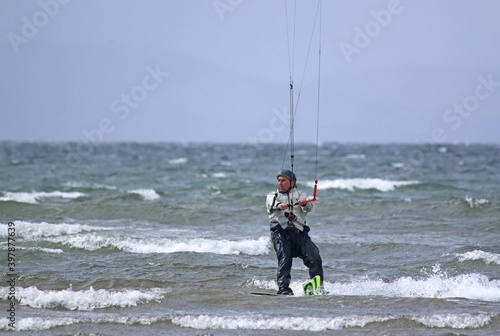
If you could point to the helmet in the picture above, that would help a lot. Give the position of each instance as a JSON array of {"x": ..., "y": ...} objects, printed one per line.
[{"x": 288, "y": 174}]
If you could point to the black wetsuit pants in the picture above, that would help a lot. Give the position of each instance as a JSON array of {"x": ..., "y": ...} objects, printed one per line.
[{"x": 292, "y": 243}]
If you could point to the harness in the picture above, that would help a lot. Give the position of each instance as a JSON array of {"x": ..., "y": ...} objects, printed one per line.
[{"x": 289, "y": 214}]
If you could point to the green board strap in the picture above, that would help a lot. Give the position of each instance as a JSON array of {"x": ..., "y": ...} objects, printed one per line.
[{"x": 313, "y": 286}]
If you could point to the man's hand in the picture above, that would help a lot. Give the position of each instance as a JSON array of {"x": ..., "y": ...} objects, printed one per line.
[
  {"x": 302, "y": 201},
  {"x": 283, "y": 206}
]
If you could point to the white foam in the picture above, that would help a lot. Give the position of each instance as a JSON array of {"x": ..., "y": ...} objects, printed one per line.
[
  {"x": 219, "y": 175},
  {"x": 37, "y": 323},
  {"x": 475, "y": 203},
  {"x": 29, "y": 230},
  {"x": 356, "y": 156},
  {"x": 178, "y": 161},
  {"x": 489, "y": 258},
  {"x": 88, "y": 300},
  {"x": 76, "y": 184},
  {"x": 255, "y": 322},
  {"x": 469, "y": 286},
  {"x": 455, "y": 321},
  {"x": 146, "y": 194},
  {"x": 93, "y": 241},
  {"x": 46, "y": 250},
  {"x": 262, "y": 284},
  {"x": 34, "y": 196},
  {"x": 361, "y": 183},
  {"x": 261, "y": 322}
]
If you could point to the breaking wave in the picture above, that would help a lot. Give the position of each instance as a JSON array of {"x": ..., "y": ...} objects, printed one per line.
[
  {"x": 86, "y": 300},
  {"x": 178, "y": 161},
  {"x": 455, "y": 321},
  {"x": 34, "y": 196},
  {"x": 88, "y": 185},
  {"x": 146, "y": 194},
  {"x": 468, "y": 286},
  {"x": 258, "y": 322},
  {"x": 475, "y": 203},
  {"x": 305, "y": 323},
  {"x": 489, "y": 258},
  {"x": 30, "y": 230},
  {"x": 93, "y": 241},
  {"x": 362, "y": 184}
]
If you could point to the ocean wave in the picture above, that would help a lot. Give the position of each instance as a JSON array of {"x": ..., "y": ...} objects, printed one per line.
[
  {"x": 93, "y": 241},
  {"x": 468, "y": 286},
  {"x": 454, "y": 321},
  {"x": 30, "y": 230},
  {"x": 146, "y": 194},
  {"x": 34, "y": 196},
  {"x": 474, "y": 202},
  {"x": 305, "y": 323},
  {"x": 76, "y": 184},
  {"x": 252, "y": 322},
  {"x": 489, "y": 258},
  {"x": 308, "y": 323},
  {"x": 362, "y": 184},
  {"x": 257, "y": 322},
  {"x": 178, "y": 161},
  {"x": 86, "y": 300},
  {"x": 442, "y": 149},
  {"x": 42, "y": 249},
  {"x": 356, "y": 156},
  {"x": 38, "y": 323}
]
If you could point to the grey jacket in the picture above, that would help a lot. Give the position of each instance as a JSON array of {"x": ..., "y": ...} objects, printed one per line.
[{"x": 277, "y": 216}]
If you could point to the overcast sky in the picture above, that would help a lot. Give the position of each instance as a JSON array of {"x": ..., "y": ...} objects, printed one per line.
[{"x": 218, "y": 70}]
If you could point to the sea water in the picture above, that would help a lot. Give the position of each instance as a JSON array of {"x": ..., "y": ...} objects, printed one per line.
[{"x": 170, "y": 239}]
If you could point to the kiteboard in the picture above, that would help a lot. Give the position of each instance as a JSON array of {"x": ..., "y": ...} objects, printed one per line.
[
  {"x": 312, "y": 287},
  {"x": 266, "y": 294}
]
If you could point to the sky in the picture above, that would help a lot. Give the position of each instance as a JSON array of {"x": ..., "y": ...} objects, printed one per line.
[{"x": 390, "y": 71}]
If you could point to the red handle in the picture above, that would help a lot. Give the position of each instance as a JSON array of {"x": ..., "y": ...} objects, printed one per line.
[{"x": 314, "y": 192}]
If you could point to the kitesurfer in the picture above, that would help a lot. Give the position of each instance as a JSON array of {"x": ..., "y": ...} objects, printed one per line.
[{"x": 287, "y": 208}]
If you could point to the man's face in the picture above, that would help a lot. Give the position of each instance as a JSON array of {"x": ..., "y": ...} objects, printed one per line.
[{"x": 283, "y": 184}]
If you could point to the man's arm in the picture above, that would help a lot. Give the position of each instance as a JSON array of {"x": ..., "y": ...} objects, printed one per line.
[{"x": 302, "y": 201}]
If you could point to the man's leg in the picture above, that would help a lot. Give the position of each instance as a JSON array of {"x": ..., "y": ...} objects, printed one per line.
[
  {"x": 283, "y": 250},
  {"x": 310, "y": 256}
]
